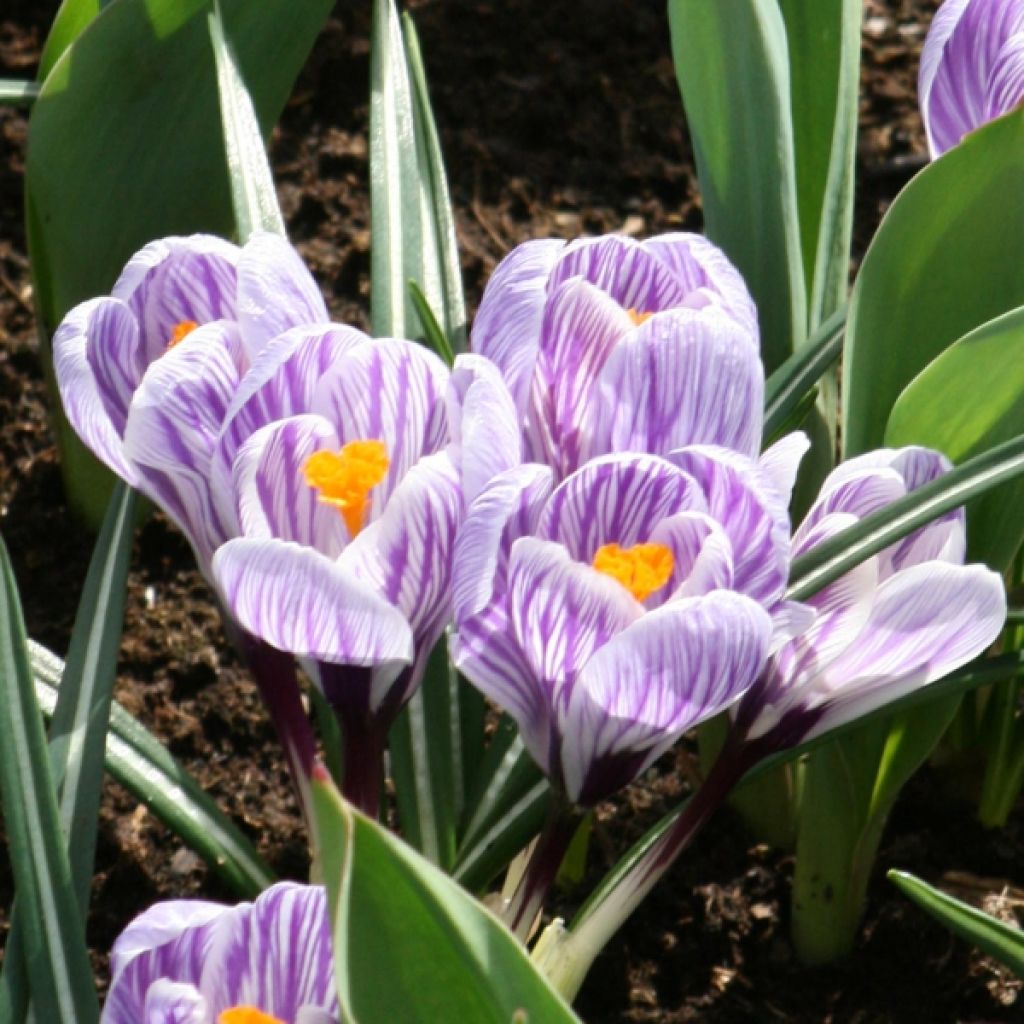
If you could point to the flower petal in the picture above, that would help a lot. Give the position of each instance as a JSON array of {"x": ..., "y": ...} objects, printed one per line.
[
  {"x": 168, "y": 1002},
  {"x": 298, "y": 600},
  {"x": 701, "y": 556},
  {"x": 780, "y": 464},
  {"x": 275, "y": 292},
  {"x": 507, "y": 325},
  {"x": 683, "y": 377},
  {"x": 96, "y": 408},
  {"x": 675, "y": 667},
  {"x": 1006, "y": 82},
  {"x": 616, "y": 499}
]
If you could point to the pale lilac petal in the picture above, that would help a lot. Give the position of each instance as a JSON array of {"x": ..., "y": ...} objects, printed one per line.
[
  {"x": 701, "y": 556},
  {"x": 97, "y": 413},
  {"x": 175, "y": 280},
  {"x": 170, "y": 1002},
  {"x": 484, "y": 423},
  {"x": 926, "y": 621},
  {"x": 675, "y": 667},
  {"x": 405, "y": 556},
  {"x": 789, "y": 620},
  {"x": 942, "y": 25},
  {"x": 780, "y": 464},
  {"x": 737, "y": 499},
  {"x": 1006, "y": 83},
  {"x": 683, "y": 377},
  {"x": 173, "y": 422},
  {"x": 562, "y": 611},
  {"x": 704, "y": 270},
  {"x": 275, "y": 954},
  {"x": 272, "y": 495},
  {"x": 282, "y": 382},
  {"x": 157, "y": 925},
  {"x": 581, "y": 328},
  {"x": 275, "y": 292},
  {"x": 857, "y": 495},
  {"x": 298, "y": 600},
  {"x": 623, "y": 269},
  {"x": 507, "y": 325},
  {"x": 616, "y": 499},
  {"x": 388, "y": 390}
]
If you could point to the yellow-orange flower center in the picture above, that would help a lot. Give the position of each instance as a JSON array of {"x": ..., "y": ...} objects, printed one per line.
[
  {"x": 345, "y": 479},
  {"x": 637, "y": 316},
  {"x": 246, "y": 1015},
  {"x": 180, "y": 330},
  {"x": 641, "y": 569}
]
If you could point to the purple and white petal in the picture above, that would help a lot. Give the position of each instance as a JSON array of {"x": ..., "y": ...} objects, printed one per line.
[
  {"x": 701, "y": 557},
  {"x": 581, "y": 328},
  {"x": 170, "y": 1002},
  {"x": 1006, "y": 82},
  {"x": 507, "y": 325},
  {"x": 274, "y": 954},
  {"x": 97, "y": 413},
  {"x": 174, "y": 419},
  {"x": 683, "y": 377},
  {"x": 677, "y": 666},
  {"x": 616, "y": 499},
  {"x": 275, "y": 292},
  {"x": 562, "y": 612},
  {"x": 272, "y": 496},
  {"x": 780, "y": 464},
  {"x": 389, "y": 390},
  {"x": 484, "y": 423},
  {"x": 157, "y": 925},
  {"x": 298, "y": 600}
]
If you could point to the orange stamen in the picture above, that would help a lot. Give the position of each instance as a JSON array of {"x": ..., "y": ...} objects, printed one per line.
[
  {"x": 345, "y": 479},
  {"x": 246, "y": 1015},
  {"x": 180, "y": 330},
  {"x": 641, "y": 569},
  {"x": 637, "y": 317}
]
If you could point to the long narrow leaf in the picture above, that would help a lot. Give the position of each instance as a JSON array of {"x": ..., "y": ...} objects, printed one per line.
[
  {"x": 18, "y": 93},
  {"x": 252, "y": 185},
  {"x": 999, "y": 940},
  {"x": 829, "y": 560},
  {"x": 60, "y": 975}
]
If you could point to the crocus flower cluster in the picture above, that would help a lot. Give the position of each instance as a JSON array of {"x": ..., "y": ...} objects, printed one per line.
[
  {"x": 193, "y": 962},
  {"x": 972, "y": 68}
]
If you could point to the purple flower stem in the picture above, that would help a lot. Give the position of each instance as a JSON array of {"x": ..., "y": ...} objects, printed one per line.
[{"x": 542, "y": 868}]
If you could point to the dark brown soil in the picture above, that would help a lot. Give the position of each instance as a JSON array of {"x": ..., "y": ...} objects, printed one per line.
[{"x": 557, "y": 118}]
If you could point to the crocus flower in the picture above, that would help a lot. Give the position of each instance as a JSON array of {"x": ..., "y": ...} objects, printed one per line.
[
  {"x": 608, "y": 344},
  {"x": 193, "y": 962},
  {"x": 972, "y": 68},
  {"x": 147, "y": 373},
  {"x": 611, "y": 613},
  {"x": 899, "y": 620}
]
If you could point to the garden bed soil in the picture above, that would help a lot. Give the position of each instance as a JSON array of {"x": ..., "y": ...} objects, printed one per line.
[{"x": 557, "y": 118}]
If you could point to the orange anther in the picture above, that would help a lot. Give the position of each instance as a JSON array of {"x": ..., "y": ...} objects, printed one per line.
[{"x": 641, "y": 569}]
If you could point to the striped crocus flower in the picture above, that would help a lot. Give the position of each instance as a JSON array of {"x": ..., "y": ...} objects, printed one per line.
[
  {"x": 612, "y": 612},
  {"x": 608, "y": 344},
  {"x": 147, "y": 373},
  {"x": 972, "y": 68},
  {"x": 899, "y": 620},
  {"x": 192, "y": 962}
]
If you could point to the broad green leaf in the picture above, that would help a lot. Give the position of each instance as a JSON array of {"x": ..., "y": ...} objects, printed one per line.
[
  {"x": 72, "y": 18},
  {"x": 55, "y": 954},
  {"x": 17, "y": 92},
  {"x": 968, "y": 399},
  {"x": 253, "y": 196},
  {"x": 830, "y": 559},
  {"x": 410, "y": 944},
  {"x": 144, "y": 766},
  {"x": 946, "y": 259},
  {"x": 999, "y": 940},
  {"x": 125, "y": 145},
  {"x": 732, "y": 64}
]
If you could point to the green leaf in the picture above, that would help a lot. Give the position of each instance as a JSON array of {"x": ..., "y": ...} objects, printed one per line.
[
  {"x": 141, "y": 763},
  {"x": 945, "y": 260},
  {"x": 966, "y": 400},
  {"x": 409, "y": 943},
  {"x": 253, "y": 196},
  {"x": 18, "y": 93},
  {"x": 434, "y": 335},
  {"x": 732, "y": 64},
  {"x": 835, "y": 556},
  {"x": 71, "y": 20},
  {"x": 999, "y": 940},
  {"x": 56, "y": 956}
]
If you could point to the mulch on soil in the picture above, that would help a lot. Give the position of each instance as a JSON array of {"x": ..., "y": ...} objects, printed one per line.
[{"x": 557, "y": 118}]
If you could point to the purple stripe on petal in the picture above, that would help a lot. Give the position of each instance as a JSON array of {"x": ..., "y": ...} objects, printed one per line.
[
  {"x": 675, "y": 667},
  {"x": 112, "y": 351},
  {"x": 275, "y": 292},
  {"x": 89, "y": 410},
  {"x": 298, "y": 600},
  {"x": 616, "y": 499},
  {"x": 1006, "y": 82},
  {"x": 272, "y": 496},
  {"x": 701, "y": 555},
  {"x": 168, "y": 1002},
  {"x": 683, "y": 377}
]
